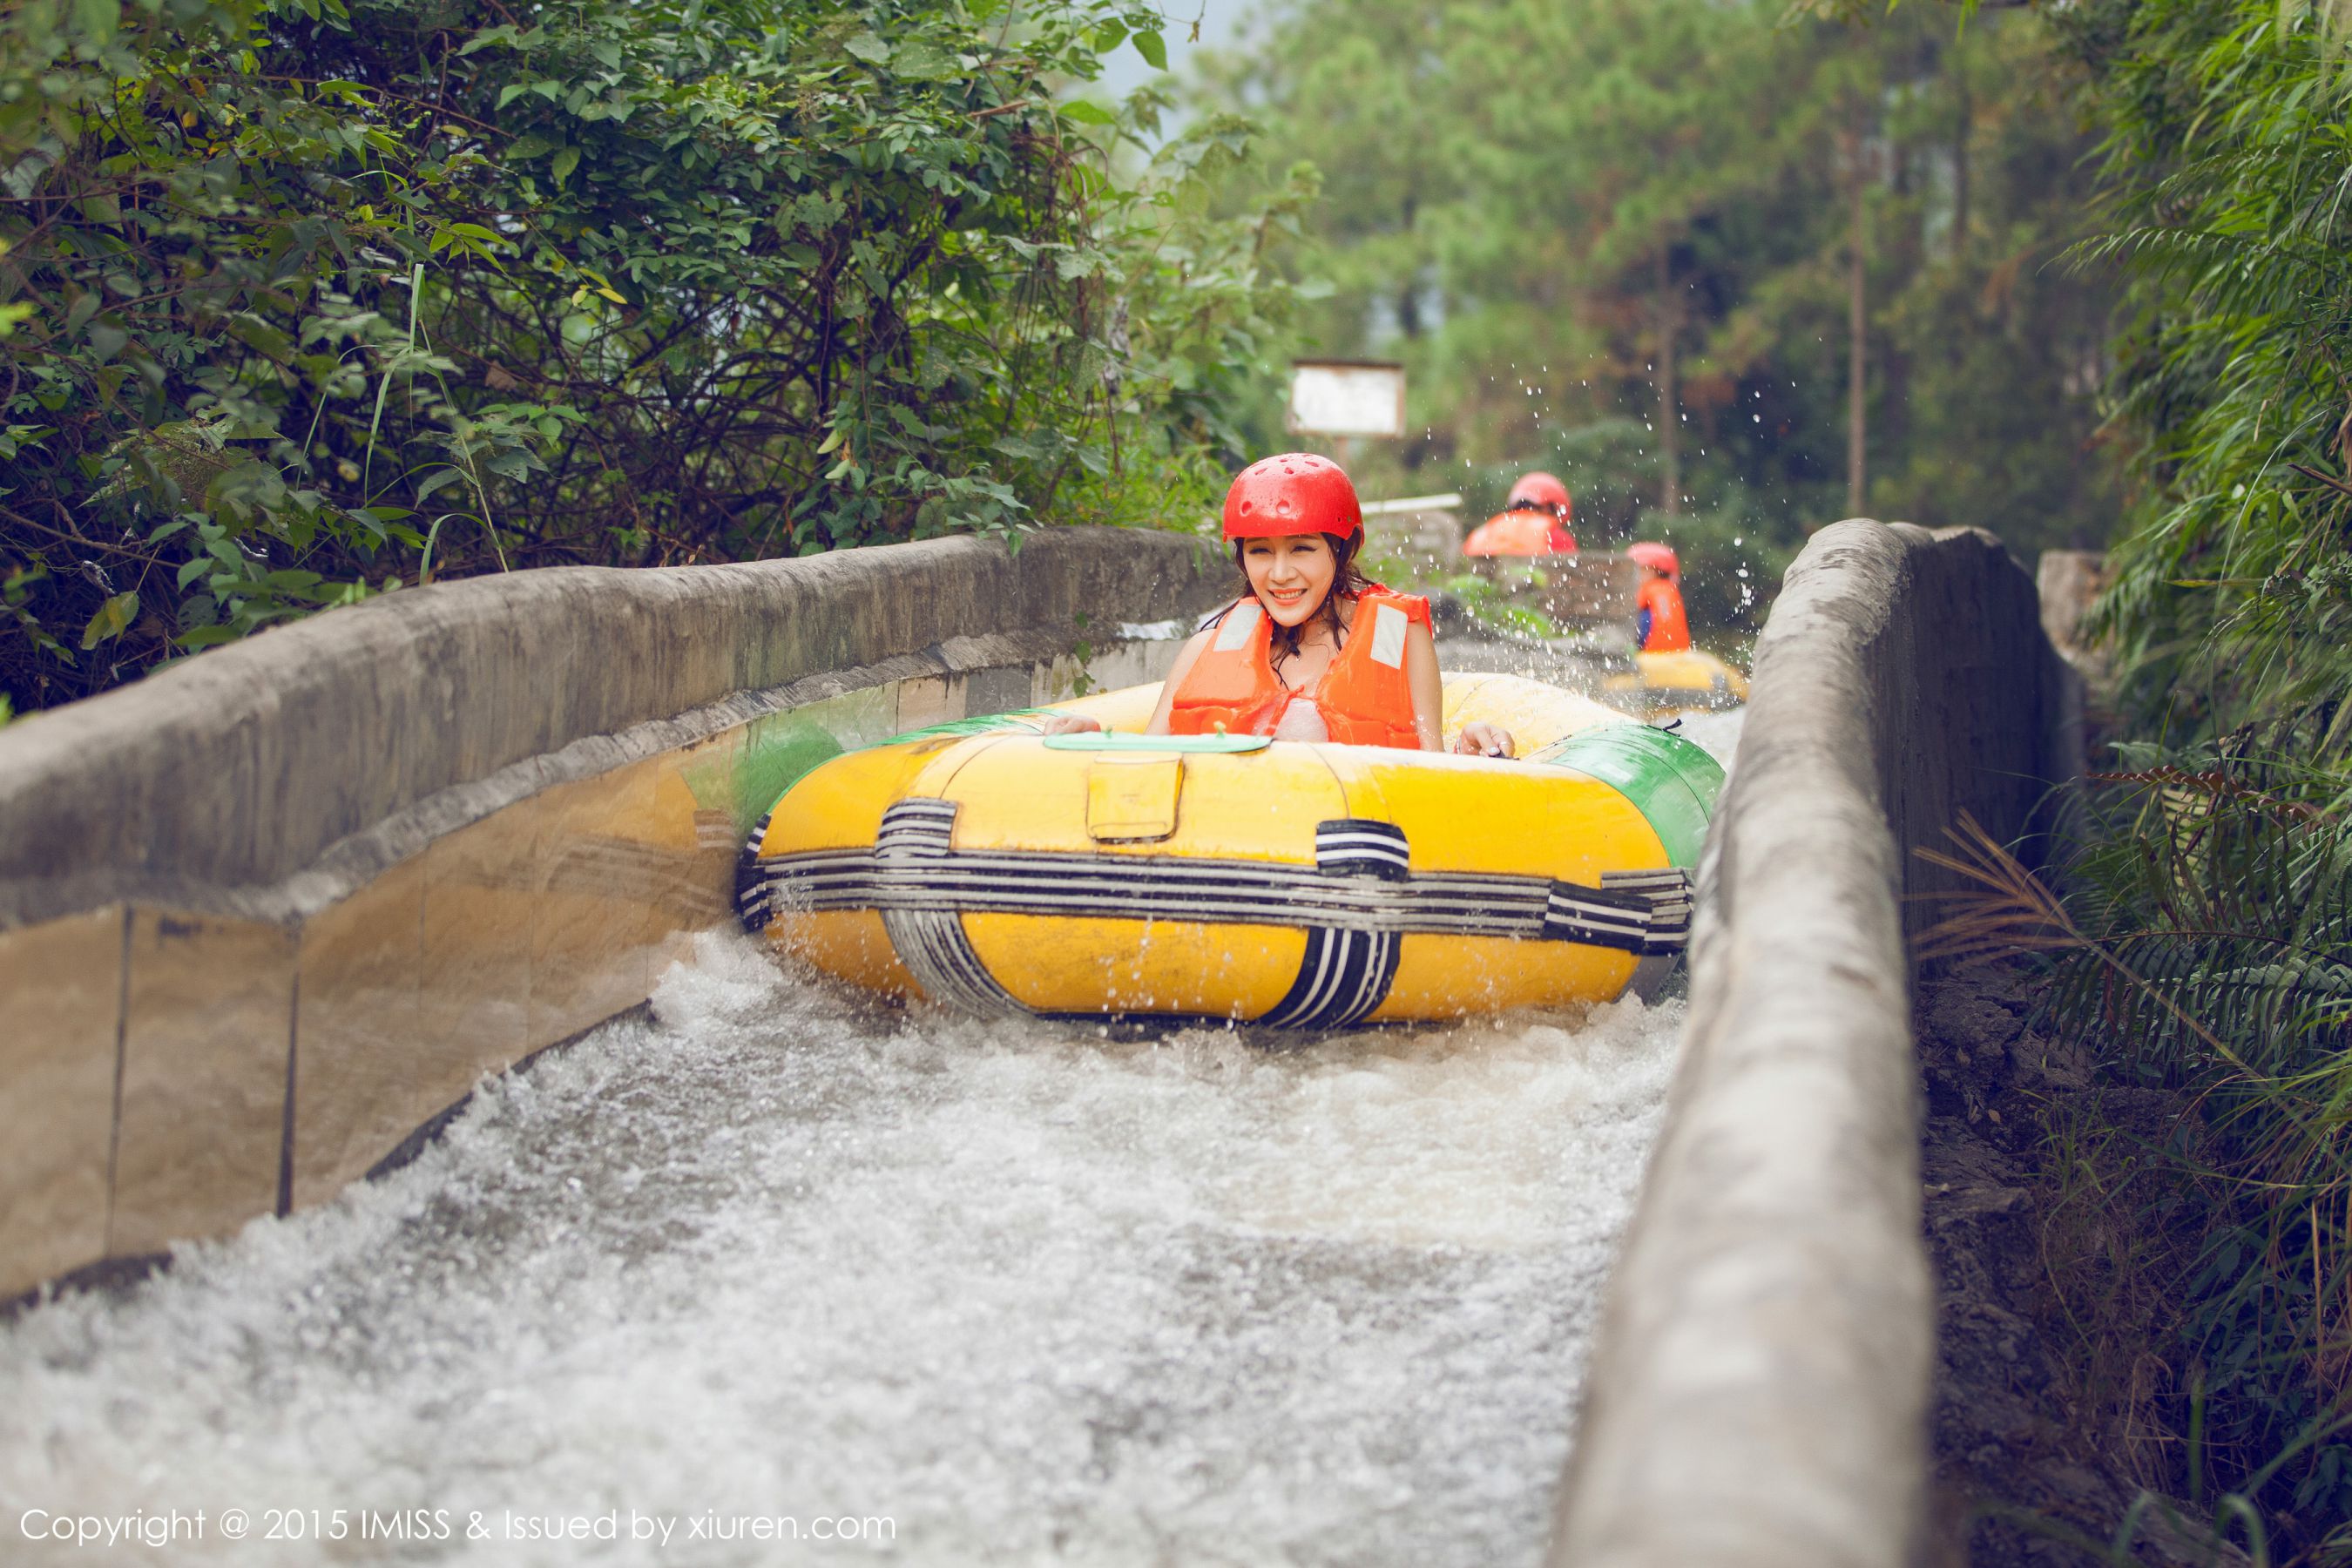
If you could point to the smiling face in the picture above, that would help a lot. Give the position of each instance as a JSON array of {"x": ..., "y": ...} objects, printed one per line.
[{"x": 1290, "y": 574}]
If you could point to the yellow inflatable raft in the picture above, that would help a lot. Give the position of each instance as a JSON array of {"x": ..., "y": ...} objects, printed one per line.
[
  {"x": 986, "y": 866},
  {"x": 1677, "y": 682}
]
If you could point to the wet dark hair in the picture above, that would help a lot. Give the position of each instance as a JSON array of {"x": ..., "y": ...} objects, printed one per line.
[{"x": 1346, "y": 582}]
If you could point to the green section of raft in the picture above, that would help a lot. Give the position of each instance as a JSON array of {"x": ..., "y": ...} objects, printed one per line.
[
  {"x": 985, "y": 723},
  {"x": 1671, "y": 781}
]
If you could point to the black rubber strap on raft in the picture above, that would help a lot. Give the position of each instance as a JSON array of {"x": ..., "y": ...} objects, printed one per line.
[
  {"x": 917, "y": 835},
  {"x": 1344, "y": 975},
  {"x": 1343, "y": 978},
  {"x": 1643, "y": 912},
  {"x": 1362, "y": 847},
  {"x": 1360, "y": 896},
  {"x": 754, "y": 881}
]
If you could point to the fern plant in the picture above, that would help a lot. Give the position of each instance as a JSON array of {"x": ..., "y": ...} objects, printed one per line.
[
  {"x": 2227, "y": 157},
  {"x": 2204, "y": 946}
]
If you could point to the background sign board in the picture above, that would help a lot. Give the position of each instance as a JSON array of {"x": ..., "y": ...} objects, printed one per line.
[{"x": 1345, "y": 397}]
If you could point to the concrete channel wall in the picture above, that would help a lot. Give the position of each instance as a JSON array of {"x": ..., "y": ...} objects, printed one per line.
[
  {"x": 1758, "y": 1385},
  {"x": 266, "y": 912}
]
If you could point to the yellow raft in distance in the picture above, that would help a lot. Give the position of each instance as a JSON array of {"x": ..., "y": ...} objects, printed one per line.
[
  {"x": 1677, "y": 682},
  {"x": 985, "y": 867}
]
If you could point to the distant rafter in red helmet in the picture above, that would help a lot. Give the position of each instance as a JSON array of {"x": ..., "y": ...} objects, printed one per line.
[
  {"x": 1541, "y": 491},
  {"x": 1656, "y": 557}
]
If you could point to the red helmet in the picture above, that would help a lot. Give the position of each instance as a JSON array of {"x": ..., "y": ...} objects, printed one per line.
[
  {"x": 1296, "y": 492},
  {"x": 1656, "y": 557},
  {"x": 1541, "y": 492}
]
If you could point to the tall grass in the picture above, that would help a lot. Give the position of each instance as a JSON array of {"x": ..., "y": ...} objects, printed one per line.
[
  {"x": 2200, "y": 1235},
  {"x": 2200, "y": 1241}
]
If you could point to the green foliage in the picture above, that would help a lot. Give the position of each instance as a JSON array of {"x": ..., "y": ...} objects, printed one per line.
[
  {"x": 2223, "y": 913},
  {"x": 304, "y": 299},
  {"x": 2208, "y": 916},
  {"x": 1615, "y": 247},
  {"x": 2203, "y": 949},
  {"x": 1875, "y": 10},
  {"x": 2227, "y": 153}
]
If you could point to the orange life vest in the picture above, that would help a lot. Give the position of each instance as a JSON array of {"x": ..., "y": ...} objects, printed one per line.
[
  {"x": 1669, "y": 628},
  {"x": 1365, "y": 698},
  {"x": 1520, "y": 533}
]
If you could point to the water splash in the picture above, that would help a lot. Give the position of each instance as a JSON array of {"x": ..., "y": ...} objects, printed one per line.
[
  {"x": 1027, "y": 1290},
  {"x": 1716, "y": 732}
]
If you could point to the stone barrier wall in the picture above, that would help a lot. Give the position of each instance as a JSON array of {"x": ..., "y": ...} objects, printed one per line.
[
  {"x": 264, "y": 914},
  {"x": 1759, "y": 1385}
]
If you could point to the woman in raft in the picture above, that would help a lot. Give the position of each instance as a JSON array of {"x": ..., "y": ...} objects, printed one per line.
[{"x": 1313, "y": 651}]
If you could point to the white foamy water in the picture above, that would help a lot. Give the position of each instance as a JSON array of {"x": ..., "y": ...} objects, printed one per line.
[
  {"x": 1718, "y": 731},
  {"x": 1030, "y": 1291}
]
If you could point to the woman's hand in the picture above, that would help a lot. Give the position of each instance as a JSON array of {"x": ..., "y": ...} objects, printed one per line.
[
  {"x": 1067, "y": 724},
  {"x": 1480, "y": 739}
]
